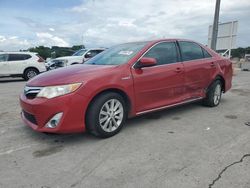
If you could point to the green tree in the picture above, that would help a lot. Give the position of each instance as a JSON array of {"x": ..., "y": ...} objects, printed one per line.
[
  {"x": 240, "y": 52},
  {"x": 55, "y": 51}
]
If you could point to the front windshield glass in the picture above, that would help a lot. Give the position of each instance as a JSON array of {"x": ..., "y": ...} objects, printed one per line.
[
  {"x": 79, "y": 53},
  {"x": 117, "y": 55}
]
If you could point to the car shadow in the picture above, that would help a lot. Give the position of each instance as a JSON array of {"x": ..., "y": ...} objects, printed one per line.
[
  {"x": 9, "y": 80},
  {"x": 173, "y": 113},
  {"x": 80, "y": 138}
]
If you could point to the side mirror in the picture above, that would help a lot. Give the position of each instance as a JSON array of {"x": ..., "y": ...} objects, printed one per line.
[
  {"x": 146, "y": 62},
  {"x": 88, "y": 55}
]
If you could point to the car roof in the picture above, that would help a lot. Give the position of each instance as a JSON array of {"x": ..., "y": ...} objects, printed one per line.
[
  {"x": 162, "y": 40},
  {"x": 31, "y": 53},
  {"x": 95, "y": 48}
]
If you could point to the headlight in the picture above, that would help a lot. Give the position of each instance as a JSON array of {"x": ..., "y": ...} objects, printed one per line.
[{"x": 55, "y": 91}]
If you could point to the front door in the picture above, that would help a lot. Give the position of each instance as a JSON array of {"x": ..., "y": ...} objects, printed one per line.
[{"x": 159, "y": 85}]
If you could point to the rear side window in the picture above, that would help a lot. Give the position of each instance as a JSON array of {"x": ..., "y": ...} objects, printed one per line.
[
  {"x": 18, "y": 57},
  {"x": 190, "y": 51},
  {"x": 164, "y": 53},
  {"x": 3, "y": 57}
]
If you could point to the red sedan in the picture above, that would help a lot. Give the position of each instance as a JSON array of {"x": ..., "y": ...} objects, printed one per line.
[{"x": 124, "y": 81}]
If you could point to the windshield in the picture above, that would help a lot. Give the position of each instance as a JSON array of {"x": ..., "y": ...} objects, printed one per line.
[
  {"x": 117, "y": 55},
  {"x": 79, "y": 53}
]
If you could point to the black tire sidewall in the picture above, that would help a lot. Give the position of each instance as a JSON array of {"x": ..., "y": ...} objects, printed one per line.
[
  {"x": 25, "y": 76},
  {"x": 209, "y": 101},
  {"x": 92, "y": 116}
]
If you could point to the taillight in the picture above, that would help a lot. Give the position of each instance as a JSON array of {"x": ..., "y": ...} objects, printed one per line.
[{"x": 40, "y": 60}]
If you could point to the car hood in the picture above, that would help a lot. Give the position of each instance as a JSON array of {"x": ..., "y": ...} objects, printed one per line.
[
  {"x": 70, "y": 74},
  {"x": 69, "y": 57}
]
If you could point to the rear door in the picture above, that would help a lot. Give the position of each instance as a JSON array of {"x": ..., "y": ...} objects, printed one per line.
[
  {"x": 162, "y": 84},
  {"x": 4, "y": 68},
  {"x": 18, "y": 62},
  {"x": 199, "y": 67}
]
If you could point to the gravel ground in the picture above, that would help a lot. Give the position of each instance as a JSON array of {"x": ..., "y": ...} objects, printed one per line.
[{"x": 188, "y": 146}]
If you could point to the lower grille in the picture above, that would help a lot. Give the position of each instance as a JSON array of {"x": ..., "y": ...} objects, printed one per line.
[{"x": 30, "y": 117}]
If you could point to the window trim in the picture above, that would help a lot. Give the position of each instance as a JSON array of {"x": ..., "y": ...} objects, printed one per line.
[
  {"x": 177, "y": 51},
  {"x": 193, "y": 59}
]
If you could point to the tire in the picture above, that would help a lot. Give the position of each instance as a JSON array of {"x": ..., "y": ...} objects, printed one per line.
[
  {"x": 214, "y": 93},
  {"x": 74, "y": 63},
  {"x": 101, "y": 121},
  {"x": 30, "y": 73}
]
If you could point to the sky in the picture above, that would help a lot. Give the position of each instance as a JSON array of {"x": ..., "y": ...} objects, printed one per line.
[{"x": 103, "y": 23}]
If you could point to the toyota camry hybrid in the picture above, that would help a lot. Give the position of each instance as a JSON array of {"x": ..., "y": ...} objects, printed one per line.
[{"x": 124, "y": 81}]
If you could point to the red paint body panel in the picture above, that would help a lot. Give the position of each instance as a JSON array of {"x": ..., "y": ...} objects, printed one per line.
[
  {"x": 73, "y": 107},
  {"x": 158, "y": 86},
  {"x": 147, "y": 88}
]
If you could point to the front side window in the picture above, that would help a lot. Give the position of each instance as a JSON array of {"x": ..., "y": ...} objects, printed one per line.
[
  {"x": 190, "y": 51},
  {"x": 164, "y": 53},
  {"x": 3, "y": 57},
  {"x": 117, "y": 55}
]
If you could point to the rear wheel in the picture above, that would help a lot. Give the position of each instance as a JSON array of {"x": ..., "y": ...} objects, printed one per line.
[
  {"x": 106, "y": 115},
  {"x": 30, "y": 73},
  {"x": 214, "y": 93}
]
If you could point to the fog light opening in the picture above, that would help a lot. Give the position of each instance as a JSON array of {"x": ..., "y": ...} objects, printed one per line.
[{"x": 54, "y": 121}]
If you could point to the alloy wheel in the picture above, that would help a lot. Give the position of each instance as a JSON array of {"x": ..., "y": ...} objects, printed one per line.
[
  {"x": 217, "y": 94},
  {"x": 31, "y": 74},
  {"x": 111, "y": 115}
]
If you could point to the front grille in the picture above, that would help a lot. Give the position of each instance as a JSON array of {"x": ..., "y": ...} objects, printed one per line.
[
  {"x": 30, "y": 117},
  {"x": 31, "y": 92}
]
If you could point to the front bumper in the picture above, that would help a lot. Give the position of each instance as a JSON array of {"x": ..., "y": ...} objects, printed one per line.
[{"x": 38, "y": 111}]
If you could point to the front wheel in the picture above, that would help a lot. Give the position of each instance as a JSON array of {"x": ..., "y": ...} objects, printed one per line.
[
  {"x": 214, "y": 93},
  {"x": 106, "y": 115}
]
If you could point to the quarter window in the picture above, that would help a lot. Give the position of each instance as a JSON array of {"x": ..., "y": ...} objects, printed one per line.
[
  {"x": 206, "y": 54},
  {"x": 190, "y": 51},
  {"x": 164, "y": 53}
]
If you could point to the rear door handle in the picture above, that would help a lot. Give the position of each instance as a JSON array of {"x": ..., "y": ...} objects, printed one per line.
[
  {"x": 178, "y": 69},
  {"x": 212, "y": 64}
]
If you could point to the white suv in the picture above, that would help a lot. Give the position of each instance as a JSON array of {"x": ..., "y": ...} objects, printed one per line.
[
  {"x": 78, "y": 57},
  {"x": 21, "y": 64}
]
